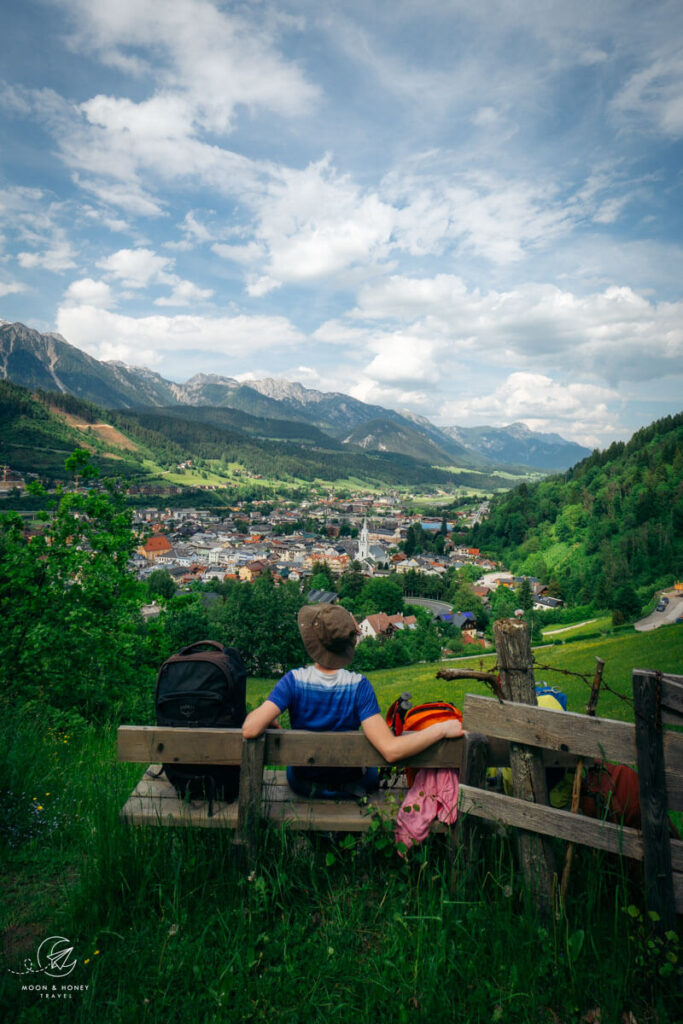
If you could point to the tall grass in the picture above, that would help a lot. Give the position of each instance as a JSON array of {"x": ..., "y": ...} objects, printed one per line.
[{"x": 169, "y": 924}]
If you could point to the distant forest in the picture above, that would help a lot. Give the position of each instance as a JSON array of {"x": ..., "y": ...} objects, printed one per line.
[
  {"x": 34, "y": 440},
  {"x": 613, "y": 520}
]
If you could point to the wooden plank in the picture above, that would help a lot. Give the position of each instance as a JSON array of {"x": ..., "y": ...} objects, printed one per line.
[
  {"x": 191, "y": 746},
  {"x": 672, "y": 694},
  {"x": 251, "y": 788},
  {"x": 562, "y": 731},
  {"x": 671, "y": 690},
  {"x": 678, "y": 892},
  {"x": 154, "y": 802},
  {"x": 550, "y": 821},
  {"x": 295, "y": 747},
  {"x": 653, "y": 804},
  {"x": 300, "y": 748},
  {"x": 677, "y": 854}
]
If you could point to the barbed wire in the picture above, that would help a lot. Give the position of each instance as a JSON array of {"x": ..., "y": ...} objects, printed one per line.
[{"x": 588, "y": 682}]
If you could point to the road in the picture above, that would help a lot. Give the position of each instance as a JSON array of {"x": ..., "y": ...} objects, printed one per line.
[
  {"x": 673, "y": 611},
  {"x": 435, "y": 607}
]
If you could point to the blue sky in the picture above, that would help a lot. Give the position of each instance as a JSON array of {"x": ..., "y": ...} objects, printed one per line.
[{"x": 470, "y": 211}]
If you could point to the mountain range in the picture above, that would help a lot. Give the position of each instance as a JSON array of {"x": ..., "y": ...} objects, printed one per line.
[{"x": 47, "y": 361}]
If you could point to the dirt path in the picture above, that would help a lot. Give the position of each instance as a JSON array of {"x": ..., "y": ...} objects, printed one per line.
[{"x": 565, "y": 629}]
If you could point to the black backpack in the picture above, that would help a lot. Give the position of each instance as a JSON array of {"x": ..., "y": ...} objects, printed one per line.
[{"x": 203, "y": 688}]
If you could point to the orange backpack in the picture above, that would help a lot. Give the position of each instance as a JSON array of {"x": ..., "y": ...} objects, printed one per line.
[{"x": 401, "y": 717}]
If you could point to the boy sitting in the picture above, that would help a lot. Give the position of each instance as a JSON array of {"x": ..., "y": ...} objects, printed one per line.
[{"x": 326, "y": 697}]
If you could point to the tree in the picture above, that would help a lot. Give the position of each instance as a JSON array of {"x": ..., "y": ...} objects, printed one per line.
[
  {"x": 160, "y": 583},
  {"x": 627, "y": 602},
  {"x": 72, "y": 636},
  {"x": 323, "y": 577},
  {"x": 379, "y": 594},
  {"x": 525, "y": 598}
]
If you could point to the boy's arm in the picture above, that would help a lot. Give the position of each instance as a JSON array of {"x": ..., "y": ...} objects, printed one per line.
[
  {"x": 258, "y": 720},
  {"x": 397, "y": 748}
]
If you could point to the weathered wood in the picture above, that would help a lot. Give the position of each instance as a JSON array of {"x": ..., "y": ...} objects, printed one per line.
[
  {"x": 182, "y": 746},
  {"x": 472, "y": 773},
  {"x": 659, "y": 888},
  {"x": 550, "y": 821},
  {"x": 562, "y": 731},
  {"x": 296, "y": 747},
  {"x": 672, "y": 693},
  {"x": 678, "y": 892},
  {"x": 154, "y": 802},
  {"x": 251, "y": 788},
  {"x": 528, "y": 775}
]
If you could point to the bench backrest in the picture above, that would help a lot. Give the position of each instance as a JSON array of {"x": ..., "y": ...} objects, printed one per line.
[{"x": 151, "y": 743}]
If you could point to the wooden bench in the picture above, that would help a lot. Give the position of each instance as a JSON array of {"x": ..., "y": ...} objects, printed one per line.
[{"x": 264, "y": 793}]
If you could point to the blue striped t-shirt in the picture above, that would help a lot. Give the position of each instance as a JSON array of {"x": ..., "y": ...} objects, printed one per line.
[{"x": 325, "y": 701}]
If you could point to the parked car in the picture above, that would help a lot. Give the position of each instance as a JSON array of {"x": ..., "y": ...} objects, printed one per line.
[{"x": 660, "y": 607}]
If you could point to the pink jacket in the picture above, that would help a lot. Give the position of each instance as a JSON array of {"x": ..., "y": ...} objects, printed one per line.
[{"x": 434, "y": 794}]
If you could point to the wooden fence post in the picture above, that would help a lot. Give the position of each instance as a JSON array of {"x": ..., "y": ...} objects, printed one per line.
[
  {"x": 659, "y": 889},
  {"x": 528, "y": 774},
  {"x": 472, "y": 773}
]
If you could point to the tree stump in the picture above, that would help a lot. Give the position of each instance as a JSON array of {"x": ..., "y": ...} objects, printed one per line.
[{"x": 526, "y": 762}]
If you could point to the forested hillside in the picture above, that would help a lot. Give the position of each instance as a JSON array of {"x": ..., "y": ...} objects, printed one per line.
[
  {"x": 35, "y": 440},
  {"x": 613, "y": 520}
]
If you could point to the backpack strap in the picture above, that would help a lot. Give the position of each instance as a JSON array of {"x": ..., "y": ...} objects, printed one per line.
[{"x": 201, "y": 643}]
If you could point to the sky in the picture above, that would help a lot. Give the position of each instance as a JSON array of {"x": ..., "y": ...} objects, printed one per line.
[{"x": 471, "y": 211}]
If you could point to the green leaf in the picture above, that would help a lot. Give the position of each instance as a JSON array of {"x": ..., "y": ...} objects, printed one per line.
[
  {"x": 330, "y": 859},
  {"x": 575, "y": 944}
]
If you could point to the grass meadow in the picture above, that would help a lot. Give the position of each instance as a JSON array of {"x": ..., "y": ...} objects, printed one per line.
[{"x": 169, "y": 925}]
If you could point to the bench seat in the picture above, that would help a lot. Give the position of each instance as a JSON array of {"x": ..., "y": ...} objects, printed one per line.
[{"x": 154, "y": 802}]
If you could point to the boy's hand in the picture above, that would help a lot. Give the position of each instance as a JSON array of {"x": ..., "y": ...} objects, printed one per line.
[{"x": 452, "y": 729}]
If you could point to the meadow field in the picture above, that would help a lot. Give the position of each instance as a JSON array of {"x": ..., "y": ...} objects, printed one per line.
[{"x": 169, "y": 925}]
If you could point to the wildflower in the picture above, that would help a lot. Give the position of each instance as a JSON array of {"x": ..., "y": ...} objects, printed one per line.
[
  {"x": 96, "y": 953},
  {"x": 47, "y": 794},
  {"x": 87, "y": 960},
  {"x": 40, "y": 807},
  {"x": 35, "y": 798}
]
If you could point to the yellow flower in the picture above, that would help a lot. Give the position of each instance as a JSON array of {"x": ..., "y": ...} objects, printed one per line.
[
  {"x": 47, "y": 794},
  {"x": 96, "y": 953},
  {"x": 87, "y": 961},
  {"x": 40, "y": 807}
]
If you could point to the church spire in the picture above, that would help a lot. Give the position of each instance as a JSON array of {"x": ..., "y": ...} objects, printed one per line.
[{"x": 363, "y": 542}]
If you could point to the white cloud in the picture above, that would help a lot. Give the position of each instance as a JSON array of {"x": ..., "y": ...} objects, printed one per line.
[
  {"x": 146, "y": 340},
  {"x": 215, "y": 58},
  {"x": 87, "y": 292},
  {"x": 136, "y": 268},
  {"x": 184, "y": 294},
  {"x": 11, "y": 288},
  {"x": 57, "y": 258},
  {"x": 581, "y": 412},
  {"x": 616, "y": 333},
  {"x": 130, "y": 197},
  {"x": 653, "y": 95}
]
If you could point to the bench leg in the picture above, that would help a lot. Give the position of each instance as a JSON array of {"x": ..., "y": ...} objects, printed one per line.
[{"x": 251, "y": 787}]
